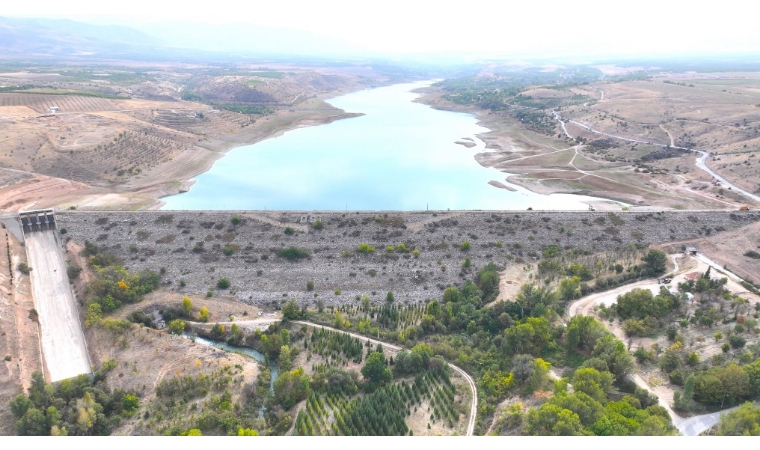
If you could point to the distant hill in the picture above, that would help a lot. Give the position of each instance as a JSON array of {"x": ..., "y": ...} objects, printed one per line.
[
  {"x": 247, "y": 40},
  {"x": 62, "y": 37}
]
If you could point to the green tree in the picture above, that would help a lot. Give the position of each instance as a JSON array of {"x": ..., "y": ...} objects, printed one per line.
[
  {"x": 33, "y": 423},
  {"x": 587, "y": 409},
  {"x": 570, "y": 288},
  {"x": 656, "y": 261},
  {"x": 291, "y": 311},
  {"x": 743, "y": 421},
  {"x": 223, "y": 283},
  {"x": 735, "y": 382},
  {"x": 285, "y": 358},
  {"x": 553, "y": 420},
  {"x": 753, "y": 375},
  {"x": 708, "y": 388},
  {"x": 593, "y": 383},
  {"x": 533, "y": 297},
  {"x": 290, "y": 388},
  {"x": 177, "y": 326},
  {"x": 376, "y": 369}
]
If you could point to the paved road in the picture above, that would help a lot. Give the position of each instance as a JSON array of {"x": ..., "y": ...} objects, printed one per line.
[
  {"x": 702, "y": 165},
  {"x": 468, "y": 378},
  {"x": 63, "y": 344}
]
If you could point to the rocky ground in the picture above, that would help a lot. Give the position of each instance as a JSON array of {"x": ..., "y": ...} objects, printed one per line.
[{"x": 189, "y": 247}]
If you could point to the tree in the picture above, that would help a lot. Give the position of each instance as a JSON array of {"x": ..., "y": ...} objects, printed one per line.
[
  {"x": 291, "y": 311},
  {"x": 708, "y": 388},
  {"x": 246, "y": 432},
  {"x": 587, "y": 409},
  {"x": 33, "y": 423},
  {"x": 744, "y": 421},
  {"x": 376, "y": 369},
  {"x": 290, "y": 388},
  {"x": 735, "y": 382},
  {"x": 570, "y": 288},
  {"x": 583, "y": 332},
  {"x": 641, "y": 304},
  {"x": 203, "y": 314},
  {"x": 223, "y": 283},
  {"x": 656, "y": 261},
  {"x": 593, "y": 383},
  {"x": 187, "y": 306},
  {"x": 612, "y": 351},
  {"x": 285, "y": 358},
  {"x": 552, "y": 420},
  {"x": 177, "y": 326},
  {"x": 753, "y": 374},
  {"x": 531, "y": 297}
]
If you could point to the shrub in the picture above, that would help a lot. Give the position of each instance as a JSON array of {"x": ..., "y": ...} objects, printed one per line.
[
  {"x": 73, "y": 271},
  {"x": 292, "y": 253},
  {"x": 737, "y": 341},
  {"x": 318, "y": 225},
  {"x": 466, "y": 263},
  {"x": 337, "y": 292},
  {"x": 289, "y": 231},
  {"x": 466, "y": 246},
  {"x": 236, "y": 220},
  {"x": 725, "y": 348},
  {"x": 223, "y": 283},
  {"x": 63, "y": 231},
  {"x": 389, "y": 297},
  {"x": 230, "y": 249},
  {"x": 309, "y": 286},
  {"x": 365, "y": 248},
  {"x": 24, "y": 268},
  {"x": 416, "y": 253}
]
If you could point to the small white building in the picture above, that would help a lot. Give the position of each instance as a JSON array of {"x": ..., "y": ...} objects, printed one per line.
[{"x": 53, "y": 109}]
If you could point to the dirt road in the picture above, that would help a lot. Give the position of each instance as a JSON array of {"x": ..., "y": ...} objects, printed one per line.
[
  {"x": 700, "y": 162},
  {"x": 468, "y": 378},
  {"x": 691, "y": 426},
  {"x": 63, "y": 344}
]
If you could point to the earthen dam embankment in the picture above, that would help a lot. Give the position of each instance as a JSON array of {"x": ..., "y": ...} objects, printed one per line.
[{"x": 194, "y": 249}]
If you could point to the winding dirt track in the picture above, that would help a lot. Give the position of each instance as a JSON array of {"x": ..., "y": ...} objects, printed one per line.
[
  {"x": 691, "y": 426},
  {"x": 468, "y": 378}
]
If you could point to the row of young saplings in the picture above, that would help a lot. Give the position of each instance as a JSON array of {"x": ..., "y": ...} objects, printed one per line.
[{"x": 381, "y": 413}]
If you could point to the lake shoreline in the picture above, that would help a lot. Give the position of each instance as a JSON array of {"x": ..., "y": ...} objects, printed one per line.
[{"x": 417, "y": 156}]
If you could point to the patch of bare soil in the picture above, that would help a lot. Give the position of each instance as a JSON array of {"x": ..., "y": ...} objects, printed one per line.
[
  {"x": 146, "y": 356},
  {"x": 728, "y": 248}
]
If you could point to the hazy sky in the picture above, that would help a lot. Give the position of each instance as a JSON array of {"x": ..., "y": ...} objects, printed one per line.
[{"x": 550, "y": 27}]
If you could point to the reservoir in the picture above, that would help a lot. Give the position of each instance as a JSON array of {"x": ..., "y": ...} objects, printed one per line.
[{"x": 400, "y": 155}]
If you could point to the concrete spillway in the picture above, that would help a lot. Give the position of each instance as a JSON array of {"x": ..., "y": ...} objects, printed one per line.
[{"x": 63, "y": 344}]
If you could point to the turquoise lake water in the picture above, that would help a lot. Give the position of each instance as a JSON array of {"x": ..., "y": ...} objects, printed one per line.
[{"x": 399, "y": 155}]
